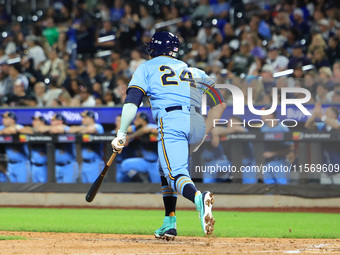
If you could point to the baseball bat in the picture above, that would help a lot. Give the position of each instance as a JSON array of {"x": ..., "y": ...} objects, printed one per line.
[{"x": 98, "y": 182}]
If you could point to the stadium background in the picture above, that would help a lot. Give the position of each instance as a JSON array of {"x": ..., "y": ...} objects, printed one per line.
[{"x": 91, "y": 49}]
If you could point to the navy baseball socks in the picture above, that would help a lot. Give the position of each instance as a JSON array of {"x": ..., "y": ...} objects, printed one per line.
[{"x": 168, "y": 230}]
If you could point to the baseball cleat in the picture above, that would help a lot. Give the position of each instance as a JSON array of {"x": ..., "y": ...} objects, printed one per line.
[
  {"x": 168, "y": 230},
  {"x": 204, "y": 204}
]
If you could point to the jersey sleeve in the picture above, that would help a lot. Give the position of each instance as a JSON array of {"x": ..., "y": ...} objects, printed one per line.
[
  {"x": 139, "y": 79},
  {"x": 99, "y": 128}
]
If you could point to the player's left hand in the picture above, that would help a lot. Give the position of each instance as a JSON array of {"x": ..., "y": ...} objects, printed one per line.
[{"x": 119, "y": 142}]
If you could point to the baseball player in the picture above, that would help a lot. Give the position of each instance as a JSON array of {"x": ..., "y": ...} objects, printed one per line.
[
  {"x": 275, "y": 151},
  {"x": 235, "y": 126},
  {"x": 4, "y": 176},
  {"x": 18, "y": 166},
  {"x": 327, "y": 121},
  {"x": 175, "y": 100},
  {"x": 66, "y": 169},
  {"x": 147, "y": 134},
  {"x": 92, "y": 153},
  {"x": 38, "y": 151}
]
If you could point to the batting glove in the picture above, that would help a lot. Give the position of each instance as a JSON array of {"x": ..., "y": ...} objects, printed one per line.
[{"x": 119, "y": 142}]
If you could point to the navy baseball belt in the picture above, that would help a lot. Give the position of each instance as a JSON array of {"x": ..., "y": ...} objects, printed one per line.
[{"x": 179, "y": 107}]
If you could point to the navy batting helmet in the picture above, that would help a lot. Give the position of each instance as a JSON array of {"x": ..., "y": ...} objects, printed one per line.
[{"x": 163, "y": 43}]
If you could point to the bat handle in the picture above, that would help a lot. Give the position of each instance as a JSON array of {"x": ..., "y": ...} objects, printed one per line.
[{"x": 109, "y": 162}]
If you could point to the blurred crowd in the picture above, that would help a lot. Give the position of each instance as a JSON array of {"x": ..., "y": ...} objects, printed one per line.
[{"x": 80, "y": 54}]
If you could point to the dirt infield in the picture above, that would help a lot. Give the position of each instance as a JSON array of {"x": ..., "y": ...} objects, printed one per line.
[{"x": 71, "y": 243}]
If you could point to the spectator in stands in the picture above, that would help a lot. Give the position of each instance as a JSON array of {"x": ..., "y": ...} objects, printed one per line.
[
  {"x": 82, "y": 74},
  {"x": 267, "y": 78},
  {"x": 30, "y": 73},
  {"x": 275, "y": 151},
  {"x": 336, "y": 71},
  {"x": 18, "y": 167},
  {"x": 109, "y": 98},
  {"x": 109, "y": 81},
  {"x": 66, "y": 169},
  {"x": 19, "y": 97},
  {"x": 94, "y": 77},
  {"x": 220, "y": 9},
  {"x": 120, "y": 90},
  {"x": 86, "y": 98},
  {"x": 65, "y": 99},
  {"x": 53, "y": 93},
  {"x": 255, "y": 46},
  {"x": 39, "y": 92},
  {"x": 317, "y": 16},
  {"x": 129, "y": 27},
  {"x": 13, "y": 75},
  {"x": 326, "y": 77},
  {"x": 282, "y": 18},
  {"x": 310, "y": 81},
  {"x": 92, "y": 153},
  {"x": 147, "y": 135},
  {"x": 242, "y": 60},
  {"x": 298, "y": 57},
  {"x": 325, "y": 29},
  {"x": 107, "y": 37},
  {"x": 333, "y": 50},
  {"x": 207, "y": 32},
  {"x": 86, "y": 37},
  {"x": 38, "y": 155},
  {"x": 317, "y": 42},
  {"x": 225, "y": 55},
  {"x": 117, "y": 11},
  {"x": 136, "y": 60},
  {"x": 228, "y": 33},
  {"x": 146, "y": 20},
  {"x": 50, "y": 32},
  {"x": 320, "y": 58},
  {"x": 278, "y": 62},
  {"x": 54, "y": 67},
  {"x": 202, "y": 10},
  {"x": 327, "y": 121},
  {"x": 299, "y": 22},
  {"x": 35, "y": 51}
]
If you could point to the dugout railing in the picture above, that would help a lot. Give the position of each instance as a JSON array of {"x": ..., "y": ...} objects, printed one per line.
[{"x": 306, "y": 184}]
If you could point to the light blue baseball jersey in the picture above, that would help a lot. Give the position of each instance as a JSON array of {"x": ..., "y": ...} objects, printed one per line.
[
  {"x": 18, "y": 167},
  {"x": 170, "y": 82},
  {"x": 93, "y": 150}
]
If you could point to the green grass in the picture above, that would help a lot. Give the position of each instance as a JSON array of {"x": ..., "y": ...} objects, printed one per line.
[
  {"x": 228, "y": 224},
  {"x": 12, "y": 238}
]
